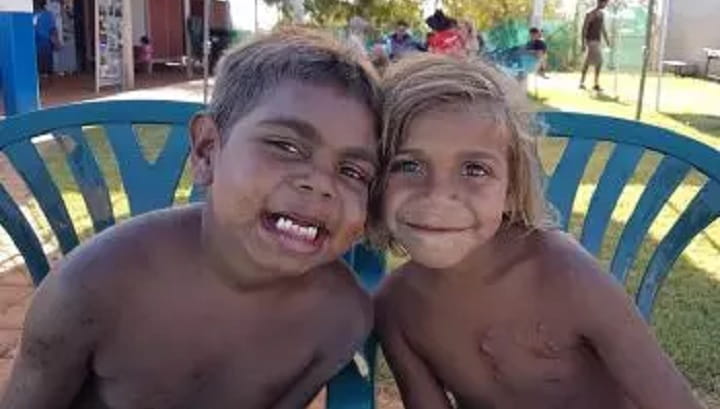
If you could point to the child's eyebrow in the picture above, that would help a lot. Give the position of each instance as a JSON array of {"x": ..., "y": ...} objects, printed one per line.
[
  {"x": 302, "y": 128},
  {"x": 306, "y": 130},
  {"x": 479, "y": 154}
]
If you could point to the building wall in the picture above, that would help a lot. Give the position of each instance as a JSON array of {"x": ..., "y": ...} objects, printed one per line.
[
  {"x": 139, "y": 19},
  {"x": 693, "y": 25}
]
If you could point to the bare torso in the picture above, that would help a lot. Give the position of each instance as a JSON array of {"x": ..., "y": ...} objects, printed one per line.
[
  {"x": 502, "y": 340},
  {"x": 170, "y": 334}
]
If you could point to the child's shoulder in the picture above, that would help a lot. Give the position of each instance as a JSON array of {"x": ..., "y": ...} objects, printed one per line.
[
  {"x": 404, "y": 285},
  {"x": 558, "y": 260},
  {"x": 340, "y": 297},
  {"x": 135, "y": 245},
  {"x": 343, "y": 284}
]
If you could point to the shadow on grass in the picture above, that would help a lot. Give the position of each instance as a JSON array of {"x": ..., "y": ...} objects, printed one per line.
[
  {"x": 603, "y": 97},
  {"x": 686, "y": 317},
  {"x": 551, "y": 150},
  {"x": 708, "y": 124}
]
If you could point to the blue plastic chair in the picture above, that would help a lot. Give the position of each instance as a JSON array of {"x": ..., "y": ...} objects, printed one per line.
[
  {"x": 152, "y": 186},
  {"x": 516, "y": 61},
  {"x": 679, "y": 155},
  {"x": 149, "y": 186}
]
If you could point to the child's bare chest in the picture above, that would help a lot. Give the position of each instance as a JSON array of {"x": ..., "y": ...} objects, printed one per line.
[
  {"x": 204, "y": 357},
  {"x": 497, "y": 350}
]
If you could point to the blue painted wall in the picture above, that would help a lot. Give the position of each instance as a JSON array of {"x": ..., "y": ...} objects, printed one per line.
[{"x": 18, "y": 65}]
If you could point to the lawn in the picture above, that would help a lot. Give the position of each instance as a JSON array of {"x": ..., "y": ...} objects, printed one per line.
[{"x": 687, "y": 315}]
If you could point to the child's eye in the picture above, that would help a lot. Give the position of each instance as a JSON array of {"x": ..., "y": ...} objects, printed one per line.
[
  {"x": 405, "y": 166},
  {"x": 285, "y": 146},
  {"x": 472, "y": 169},
  {"x": 354, "y": 172}
]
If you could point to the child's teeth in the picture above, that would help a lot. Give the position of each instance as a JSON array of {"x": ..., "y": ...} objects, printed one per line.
[{"x": 287, "y": 225}]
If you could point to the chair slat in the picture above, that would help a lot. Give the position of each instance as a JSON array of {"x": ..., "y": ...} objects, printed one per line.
[
  {"x": 197, "y": 194},
  {"x": 149, "y": 186},
  {"x": 565, "y": 181},
  {"x": 24, "y": 237},
  {"x": 28, "y": 163},
  {"x": 368, "y": 264},
  {"x": 350, "y": 389},
  {"x": 88, "y": 176},
  {"x": 18, "y": 128},
  {"x": 703, "y": 210},
  {"x": 667, "y": 177},
  {"x": 618, "y": 170}
]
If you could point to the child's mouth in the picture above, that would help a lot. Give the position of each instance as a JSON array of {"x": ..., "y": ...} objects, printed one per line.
[
  {"x": 296, "y": 232},
  {"x": 431, "y": 228}
]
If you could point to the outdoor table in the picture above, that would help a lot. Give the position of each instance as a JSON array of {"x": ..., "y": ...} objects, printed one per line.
[{"x": 711, "y": 54}]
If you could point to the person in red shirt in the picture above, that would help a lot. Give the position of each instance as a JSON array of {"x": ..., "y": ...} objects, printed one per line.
[{"x": 446, "y": 37}]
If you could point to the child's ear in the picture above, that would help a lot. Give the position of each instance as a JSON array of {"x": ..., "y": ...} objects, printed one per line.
[{"x": 204, "y": 146}]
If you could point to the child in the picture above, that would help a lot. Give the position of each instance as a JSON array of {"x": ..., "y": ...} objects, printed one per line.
[
  {"x": 538, "y": 48},
  {"x": 240, "y": 302},
  {"x": 146, "y": 54},
  {"x": 495, "y": 306}
]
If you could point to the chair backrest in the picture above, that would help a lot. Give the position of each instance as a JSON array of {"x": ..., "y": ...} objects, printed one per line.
[
  {"x": 85, "y": 136},
  {"x": 643, "y": 161}
]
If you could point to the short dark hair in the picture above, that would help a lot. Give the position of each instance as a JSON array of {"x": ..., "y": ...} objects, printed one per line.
[
  {"x": 401, "y": 23},
  {"x": 249, "y": 72},
  {"x": 534, "y": 30}
]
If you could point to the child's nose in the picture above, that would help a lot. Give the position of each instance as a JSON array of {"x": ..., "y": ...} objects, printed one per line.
[
  {"x": 445, "y": 187},
  {"x": 316, "y": 183}
]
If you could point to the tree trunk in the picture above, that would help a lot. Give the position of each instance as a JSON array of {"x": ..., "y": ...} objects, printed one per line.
[{"x": 298, "y": 10}]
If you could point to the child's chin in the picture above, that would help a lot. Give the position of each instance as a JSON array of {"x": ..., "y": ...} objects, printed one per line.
[
  {"x": 436, "y": 260},
  {"x": 289, "y": 267}
]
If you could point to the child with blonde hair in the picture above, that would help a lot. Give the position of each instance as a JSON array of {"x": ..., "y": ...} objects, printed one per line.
[{"x": 496, "y": 308}]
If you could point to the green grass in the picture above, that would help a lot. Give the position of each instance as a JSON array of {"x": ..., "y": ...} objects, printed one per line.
[{"x": 687, "y": 315}]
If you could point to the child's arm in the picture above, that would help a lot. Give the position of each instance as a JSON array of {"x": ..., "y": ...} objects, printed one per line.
[
  {"x": 55, "y": 349},
  {"x": 608, "y": 318},
  {"x": 418, "y": 387}
]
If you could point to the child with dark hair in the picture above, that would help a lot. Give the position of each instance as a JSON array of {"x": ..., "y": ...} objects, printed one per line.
[
  {"x": 241, "y": 301},
  {"x": 146, "y": 54},
  {"x": 538, "y": 47}
]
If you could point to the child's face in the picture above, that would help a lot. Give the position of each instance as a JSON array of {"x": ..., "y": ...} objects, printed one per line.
[
  {"x": 447, "y": 186},
  {"x": 289, "y": 187}
]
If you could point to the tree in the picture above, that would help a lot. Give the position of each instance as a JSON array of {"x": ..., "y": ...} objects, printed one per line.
[
  {"x": 336, "y": 13},
  {"x": 488, "y": 14}
]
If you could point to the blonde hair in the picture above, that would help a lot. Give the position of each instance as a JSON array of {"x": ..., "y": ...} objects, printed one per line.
[{"x": 424, "y": 82}]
